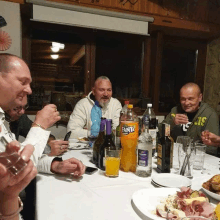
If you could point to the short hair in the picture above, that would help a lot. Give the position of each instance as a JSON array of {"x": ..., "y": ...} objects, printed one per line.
[
  {"x": 190, "y": 85},
  {"x": 6, "y": 64},
  {"x": 102, "y": 78}
]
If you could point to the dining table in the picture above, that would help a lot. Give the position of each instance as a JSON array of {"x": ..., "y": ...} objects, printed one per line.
[{"x": 96, "y": 196}]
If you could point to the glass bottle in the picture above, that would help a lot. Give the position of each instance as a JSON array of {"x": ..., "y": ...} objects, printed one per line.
[
  {"x": 150, "y": 122},
  {"x": 164, "y": 154},
  {"x": 107, "y": 144},
  {"x": 144, "y": 155},
  {"x": 99, "y": 141}
]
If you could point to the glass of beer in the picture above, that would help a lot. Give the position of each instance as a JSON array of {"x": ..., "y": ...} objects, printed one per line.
[{"x": 112, "y": 162}]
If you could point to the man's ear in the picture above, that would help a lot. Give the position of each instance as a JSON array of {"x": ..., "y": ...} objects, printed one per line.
[
  {"x": 93, "y": 90},
  {"x": 200, "y": 97}
]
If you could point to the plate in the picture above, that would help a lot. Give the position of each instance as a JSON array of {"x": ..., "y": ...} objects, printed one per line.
[
  {"x": 146, "y": 200},
  {"x": 211, "y": 194},
  {"x": 171, "y": 180},
  {"x": 85, "y": 142}
]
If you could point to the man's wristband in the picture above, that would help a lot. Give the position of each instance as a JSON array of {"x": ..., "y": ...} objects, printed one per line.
[
  {"x": 34, "y": 123},
  {"x": 6, "y": 217}
]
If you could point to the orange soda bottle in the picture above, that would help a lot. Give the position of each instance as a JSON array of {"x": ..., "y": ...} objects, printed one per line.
[{"x": 129, "y": 139}]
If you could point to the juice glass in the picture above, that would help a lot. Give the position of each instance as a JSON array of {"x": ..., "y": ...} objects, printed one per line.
[{"x": 112, "y": 162}]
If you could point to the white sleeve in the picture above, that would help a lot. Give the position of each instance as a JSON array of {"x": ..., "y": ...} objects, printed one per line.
[
  {"x": 37, "y": 137},
  {"x": 78, "y": 120},
  {"x": 44, "y": 164},
  {"x": 116, "y": 114}
]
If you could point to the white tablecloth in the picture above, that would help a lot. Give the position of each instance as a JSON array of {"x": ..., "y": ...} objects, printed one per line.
[{"x": 97, "y": 196}]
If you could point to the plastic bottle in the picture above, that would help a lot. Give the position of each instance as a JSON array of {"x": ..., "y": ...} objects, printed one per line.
[
  {"x": 125, "y": 107},
  {"x": 149, "y": 122},
  {"x": 129, "y": 138},
  {"x": 144, "y": 155},
  {"x": 99, "y": 141},
  {"x": 107, "y": 144}
]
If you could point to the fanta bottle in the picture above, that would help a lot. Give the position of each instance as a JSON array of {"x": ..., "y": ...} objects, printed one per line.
[{"x": 129, "y": 139}]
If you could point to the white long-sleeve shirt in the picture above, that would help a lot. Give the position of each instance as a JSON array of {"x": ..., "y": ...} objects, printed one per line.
[{"x": 37, "y": 137}]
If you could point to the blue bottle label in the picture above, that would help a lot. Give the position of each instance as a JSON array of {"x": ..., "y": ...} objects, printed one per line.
[{"x": 143, "y": 158}]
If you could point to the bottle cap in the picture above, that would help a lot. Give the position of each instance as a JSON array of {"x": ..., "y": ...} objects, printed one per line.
[
  {"x": 126, "y": 102},
  {"x": 149, "y": 105},
  {"x": 130, "y": 106}
]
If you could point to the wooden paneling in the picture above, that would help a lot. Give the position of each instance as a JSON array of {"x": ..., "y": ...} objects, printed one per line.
[{"x": 157, "y": 70}]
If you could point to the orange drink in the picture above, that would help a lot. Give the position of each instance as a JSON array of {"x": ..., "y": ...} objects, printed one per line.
[
  {"x": 112, "y": 162},
  {"x": 112, "y": 166}
]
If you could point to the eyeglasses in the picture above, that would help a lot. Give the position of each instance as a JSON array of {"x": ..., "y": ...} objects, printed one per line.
[{"x": 18, "y": 109}]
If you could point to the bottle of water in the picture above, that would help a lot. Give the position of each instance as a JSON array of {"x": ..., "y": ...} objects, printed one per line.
[
  {"x": 150, "y": 123},
  {"x": 125, "y": 107},
  {"x": 144, "y": 155}
]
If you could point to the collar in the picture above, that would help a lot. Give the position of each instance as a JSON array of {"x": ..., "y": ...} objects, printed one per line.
[{"x": 2, "y": 116}]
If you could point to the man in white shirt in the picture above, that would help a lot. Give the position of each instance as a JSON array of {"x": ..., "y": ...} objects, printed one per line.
[
  {"x": 80, "y": 119},
  {"x": 15, "y": 82}
]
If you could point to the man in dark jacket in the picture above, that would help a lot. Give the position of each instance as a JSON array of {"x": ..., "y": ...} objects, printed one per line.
[{"x": 192, "y": 116}]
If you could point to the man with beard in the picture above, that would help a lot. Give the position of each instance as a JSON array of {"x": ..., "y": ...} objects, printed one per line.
[
  {"x": 80, "y": 119},
  {"x": 192, "y": 116}
]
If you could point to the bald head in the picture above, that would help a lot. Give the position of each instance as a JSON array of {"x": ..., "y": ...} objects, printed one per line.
[
  {"x": 193, "y": 86},
  {"x": 190, "y": 97},
  {"x": 15, "y": 81},
  {"x": 8, "y": 62}
]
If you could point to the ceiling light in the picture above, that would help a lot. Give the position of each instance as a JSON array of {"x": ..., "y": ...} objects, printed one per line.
[
  {"x": 55, "y": 49},
  {"x": 56, "y": 44},
  {"x": 54, "y": 56}
]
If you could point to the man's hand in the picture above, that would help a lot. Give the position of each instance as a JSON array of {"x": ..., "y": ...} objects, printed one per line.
[
  {"x": 180, "y": 119},
  {"x": 58, "y": 147},
  {"x": 211, "y": 139},
  {"x": 11, "y": 186},
  {"x": 47, "y": 116},
  {"x": 70, "y": 166}
]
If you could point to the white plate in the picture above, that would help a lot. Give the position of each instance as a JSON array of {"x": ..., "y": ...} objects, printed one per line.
[
  {"x": 85, "y": 142},
  {"x": 171, "y": 180},
  {"x": 146, "y": 200},
  {"x": 211, "y": 194}
]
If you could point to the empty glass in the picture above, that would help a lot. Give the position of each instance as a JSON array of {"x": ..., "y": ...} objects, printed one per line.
[
  {"x": 200, "y": 150},
  {"x": 186, "y": 155},
  {"x": 180, "y": 142}
]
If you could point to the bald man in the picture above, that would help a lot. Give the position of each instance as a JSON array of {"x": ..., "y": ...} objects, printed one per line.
[
  {"x": 80, "y": 120},
  {"x": 192, "y": 116}
]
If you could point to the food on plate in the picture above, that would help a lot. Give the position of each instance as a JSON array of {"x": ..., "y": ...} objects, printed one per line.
[
  {"x": 213, "y": 184},
  {"x": 83, "y": 139},
  {"x": 185, "y": 203},
  {"x": 217, "y": 212}
]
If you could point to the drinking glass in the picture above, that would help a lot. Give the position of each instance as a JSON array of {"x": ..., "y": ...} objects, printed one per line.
[
  {"x": 11, "y": 159},
  {"x": 186, "y": 155},
  {"x": 181, "y": 141},
  {"x": 112, "y": 162},
  {"x": 200, "y": 150}
]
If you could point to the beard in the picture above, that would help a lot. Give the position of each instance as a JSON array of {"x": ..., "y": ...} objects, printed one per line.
[{"x": 104, "y": 104}]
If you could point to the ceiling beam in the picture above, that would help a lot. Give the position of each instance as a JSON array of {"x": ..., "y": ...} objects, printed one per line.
[{"x": 78, "y": 55}]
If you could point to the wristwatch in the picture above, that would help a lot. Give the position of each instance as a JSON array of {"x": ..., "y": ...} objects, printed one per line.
[{"x": 6, "y": 217}]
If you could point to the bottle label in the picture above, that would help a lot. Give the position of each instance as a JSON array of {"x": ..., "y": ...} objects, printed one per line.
[
  {"x": 159, "y": 162},
  {"x": 159, "y": 151},
  {"x": 146, "y": 120},
  {"x": 129, "y": 129},
  {"x": 143, "y": 158}
]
